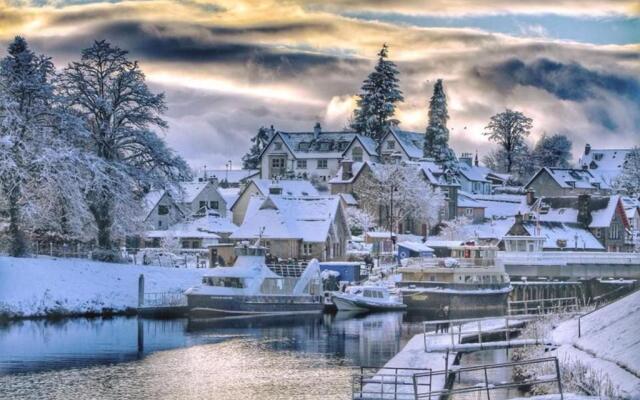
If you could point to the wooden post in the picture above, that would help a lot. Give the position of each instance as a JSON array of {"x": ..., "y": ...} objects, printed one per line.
[{"x": 141, "y": 290}]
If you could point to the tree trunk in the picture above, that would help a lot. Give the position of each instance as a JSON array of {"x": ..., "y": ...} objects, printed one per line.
[
  {"x": 101, "y": 211},
  {"x": 17, "y": 241},
  {"x": 509, "y": 162}
]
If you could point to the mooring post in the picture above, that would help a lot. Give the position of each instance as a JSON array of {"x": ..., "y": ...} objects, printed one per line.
[{"x": 141, "y": 290}]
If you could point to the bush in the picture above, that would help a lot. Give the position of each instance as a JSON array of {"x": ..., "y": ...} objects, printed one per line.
[{"x": 112, "y": 256}]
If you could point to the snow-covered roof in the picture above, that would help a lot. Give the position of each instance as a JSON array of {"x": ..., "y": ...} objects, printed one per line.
[
  {"x": 501, "y": 205},
  {"x": 565, "y": 209},
  {"x": 433, "y": 172},
  {"x": 474, "y": 173},
  {"x": 574, "y": 235},
  {"x": 150, "y": 201},
  {"x": 291, "y": 187},
  {"x": 604, "y": 163},
  {"x": 630, "y": 206},
  {"x": 289, "y": 217},
  {"x": 323, "y": 144},
  {"x": 369, "y": 144},
  {"x": 464, "y": 200},
  {"x": 493, "y": 229},
  {"x": 356, "y": 168},
  {"x": 379, "y": 234},
  {"x": 415, "y": 246},
  {"x": 411, "y": 142},
  {"x": 230, "y": 195},
  {"x": 443, "y": 243},
  {"x": 234, "y": 176},
  {"x": 191, "y": 190},
  {"x": 569, "y": 178},
  {"x": 348, "y": 199}
]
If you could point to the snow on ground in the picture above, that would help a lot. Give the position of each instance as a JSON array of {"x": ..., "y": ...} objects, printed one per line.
[
  {"x": 31, "y": 287},
  {"x": 610, "y": 342}
]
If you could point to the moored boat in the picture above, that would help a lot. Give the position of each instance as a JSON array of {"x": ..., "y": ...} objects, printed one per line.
[
  {"x": 367, "y": 298},
  {"x": 468, "y": 281},
  {"x": 251, "y": 287}
]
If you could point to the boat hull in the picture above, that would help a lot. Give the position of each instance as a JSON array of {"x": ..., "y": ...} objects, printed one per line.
[
  {"x": 350, "y": 304},
  {"x": 202, "y": 305},
  {"x": 457, "y": 302}
]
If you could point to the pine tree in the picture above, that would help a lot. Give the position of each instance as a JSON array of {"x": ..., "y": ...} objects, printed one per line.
[
  {"x": 628, "y": 182},
  {"x": 380, "y": 93},
  {"x": 251, "y": 160},
  {"x": 508, "y": 129},
  {"x": 436, "y": 143}
]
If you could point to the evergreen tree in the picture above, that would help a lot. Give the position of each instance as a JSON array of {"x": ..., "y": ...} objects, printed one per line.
[
  {"x": 628, "y": 182},
  {"x": 552, "y": 151},
  {"x": 436, "y": 144},
  {"x": 508, "y": 129},
  {"x": 251, "y": 160},
  {"x": 377, "y": 101}
]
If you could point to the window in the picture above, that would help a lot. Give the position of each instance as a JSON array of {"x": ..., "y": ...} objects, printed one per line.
[
  {"x": 597, "y": 156},
  {"x": 307, "y": 249},
  {"x": 202, "y": 204},
  {"x": 303, "y": 146},
  {"x": 277, "y": 146},
  {"x": 324, "y": 146},
  {"x": 391, "y": 144},
  {"x": 322, "y": 164},
  {"x": 159, "y": 224},
  {"x": 163, "y": 210},
  {"x": 213, "y": 205},
  {"x": 356, "y": 154},
  {"x": 614, "y": 231},
  {"x": 468, "y": 211},
  {"x": 301, "y": 164}
]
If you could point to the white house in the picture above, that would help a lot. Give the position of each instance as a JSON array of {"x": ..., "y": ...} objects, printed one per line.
[
  {"x": 297, "y": 227},
  {"x": 159, "y": 210},
  {"x": 201, "y": 197}
]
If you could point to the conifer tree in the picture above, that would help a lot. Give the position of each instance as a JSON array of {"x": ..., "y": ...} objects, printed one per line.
[
  {"x": 436, "y": 144},
  {"x": 377, "y": 101},
  {"x": 251, "y": 160}
]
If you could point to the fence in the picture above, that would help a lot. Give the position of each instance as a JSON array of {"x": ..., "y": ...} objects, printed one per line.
[
  {"x": 389, "y": 383},
  {"x": 487, "y": 386},
  {"x": 164, "y": 299},
  {"x": 544, "y": 306}
]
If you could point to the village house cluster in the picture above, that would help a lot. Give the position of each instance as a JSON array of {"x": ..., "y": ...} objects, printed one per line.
[{"x": 299, "y": 200}]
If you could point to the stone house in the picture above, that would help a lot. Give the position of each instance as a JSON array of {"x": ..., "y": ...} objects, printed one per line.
[
  {"x": 297, "y": 227},
  {"x": 565, "y": 182}
]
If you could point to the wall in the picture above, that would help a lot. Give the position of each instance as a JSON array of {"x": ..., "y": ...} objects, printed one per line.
[
  {"x": 155, "y": 221},
  {"x": 208, "y": 194},
  {"x": 240, "y": 206}
]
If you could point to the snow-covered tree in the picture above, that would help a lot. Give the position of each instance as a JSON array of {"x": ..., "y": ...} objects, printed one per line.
[
  {"x": 455, "y": 229},
  {"x": 380, "y": 93},
  {"x": 119, "y": 113},
  {"x": 360, "y": 220},
  {"x": 436, "y": 143},
  {"x": 509, "y": 129},
  {"x": 40, "y": 171},
  {"x": 552, "y": 151},
  {"x": 397, "y": 192},
  {"x": 251, "y": 160},
  {"x": 629, "y": 180}
]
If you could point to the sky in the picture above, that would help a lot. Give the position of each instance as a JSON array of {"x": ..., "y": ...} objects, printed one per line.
[{"x": 228, "y": 67}]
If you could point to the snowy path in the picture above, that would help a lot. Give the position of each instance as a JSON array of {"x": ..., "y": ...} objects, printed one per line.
[{"x": 32, "y": 287}]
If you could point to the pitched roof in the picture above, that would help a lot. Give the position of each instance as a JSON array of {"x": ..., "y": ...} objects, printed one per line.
[
  {"x": 569, "y": 178},
  {"x": 356, "y": 169},
  {"x": 206, "y": 227},
  {"x": 290, "y": 187},
  {"x": 411, "y": 142},
  {"x": 191, "y": 190},
  {"x": 233, "y": 176},
  {"x": 150, "y": 200},
  {"x": 575, "y": 235},
  {"x": 368, "y": 143},
  {"x": 415, "y": 246},
  {"x": 565, "y": 209},
  {"x": 465, "y": 200},
  {"x": 289, "y": 217},
  {"x": 324, "y": 144},
  {"x": 474, "y": 173},
  {"x": 605, "y": 163},
  {"x": 501, "y": 205}
]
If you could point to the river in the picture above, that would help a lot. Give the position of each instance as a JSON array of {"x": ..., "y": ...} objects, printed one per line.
[{"x": 266, "y": 358}]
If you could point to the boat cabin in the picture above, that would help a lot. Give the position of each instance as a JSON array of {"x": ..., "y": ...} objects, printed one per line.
[{"x": 369, "y": 292}]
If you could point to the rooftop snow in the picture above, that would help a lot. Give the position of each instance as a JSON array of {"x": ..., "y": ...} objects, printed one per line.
[
  {"x": 415, "y": 246},
  {"x": 565, "y": 209},
  {"x": 234, "y": 176},
  {"x": 207, "y": 227},
  {"x": 295, "y": 187},
  {"x": 465, "y": 200},
  {"x": 150, "y": 200},
  {"x": 576, "y": 237},
  {"x": 191, "y": 190},
  {"x": 474, "y": 173},
  {"x": 573, "y": 178},
  {"x": 411, "y": 142},
  {"x": 502, "y": 205},
  {"x": 604, "y": 163}
]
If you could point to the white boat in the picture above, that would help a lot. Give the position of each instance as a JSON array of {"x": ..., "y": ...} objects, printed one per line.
[
  {"x": 251, "y": 287},
  {"x": 367, "y": 298}
]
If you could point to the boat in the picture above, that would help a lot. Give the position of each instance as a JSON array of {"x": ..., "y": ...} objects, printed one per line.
[
  {"x": 469, "y": 281},
  {"x": 251, "y": 287},
  {"x": 367, "y": 298}
]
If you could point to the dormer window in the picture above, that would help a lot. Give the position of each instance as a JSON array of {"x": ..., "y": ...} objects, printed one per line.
[
  {"x": 391, "y": 144},
  {"x": 303, "y": 146},
  {"x": 324, "y": 146}
]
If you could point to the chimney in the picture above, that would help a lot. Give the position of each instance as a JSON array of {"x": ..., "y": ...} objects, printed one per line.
[
  {"x": 475, "y": 161},
  {"x": 587, "y": 149},
  {"x": 519, "y": 218},
  {"x": 347, "y": 169},
  {"x": 531, "y": 197},
  {"x": 466, "y": 158},
  {"x": 584, "y": 210},
  {"x": 316, "y": 130}
]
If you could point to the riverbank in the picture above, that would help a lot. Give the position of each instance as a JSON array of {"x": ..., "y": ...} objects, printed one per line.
[{"x": 46, "y": 287}]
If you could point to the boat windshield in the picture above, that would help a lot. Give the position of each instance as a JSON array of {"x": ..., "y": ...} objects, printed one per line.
[
  {"x": 237, "y": 283},
  {"x": 376, "y": 294}
]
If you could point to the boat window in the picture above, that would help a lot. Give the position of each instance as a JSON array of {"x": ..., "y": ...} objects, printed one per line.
[
  {"x": 367, "y": 293},
  {"x": 237, "y": 283},
  {"x": 467, "y": 278}
]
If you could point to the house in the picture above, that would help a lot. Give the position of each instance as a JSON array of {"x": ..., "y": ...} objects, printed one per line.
[
  {"x": 527, "y": 235},
  {"x": 201, "y": 197},
  {"x": 312, "y": 155},
  {"x": 228, "y": 178},
  {"x": 405, "y": 145},
  {"x": 603, "y": 216},
  {"x": 470, "y": 208},
  {"x": 266, "y": 187},
  {"x": 436, "y": 177},
  {"x": 565, "y": 182},
  {"x": 159, "y": 210},
  {"x": 605, "y": 164},
  {"x": 300, "y": 227},
  {"x": 194, "y": 234},
  {"x": 472, "y": 177}
]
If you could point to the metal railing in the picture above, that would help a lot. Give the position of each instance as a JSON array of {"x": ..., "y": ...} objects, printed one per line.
[
  {"x": 572, "y": 257},
  {"x": 558, "y": 305},
  {"x": 488, "y": 387},
  {"x": 389, "y": 383},
  {"x": 288, "y": 270},
  {"x": 472, "y": 328},
  {"x": 164, "y": 299},
  {"x": 416, "y": 262}
]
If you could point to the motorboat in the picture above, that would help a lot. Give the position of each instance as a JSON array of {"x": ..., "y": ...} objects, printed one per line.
[{"x": 367, "y": 298}]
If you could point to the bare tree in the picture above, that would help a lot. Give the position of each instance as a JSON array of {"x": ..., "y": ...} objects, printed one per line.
[
  {"x": 119, "y": 113},
  {"x": 508, "y": 129}
]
